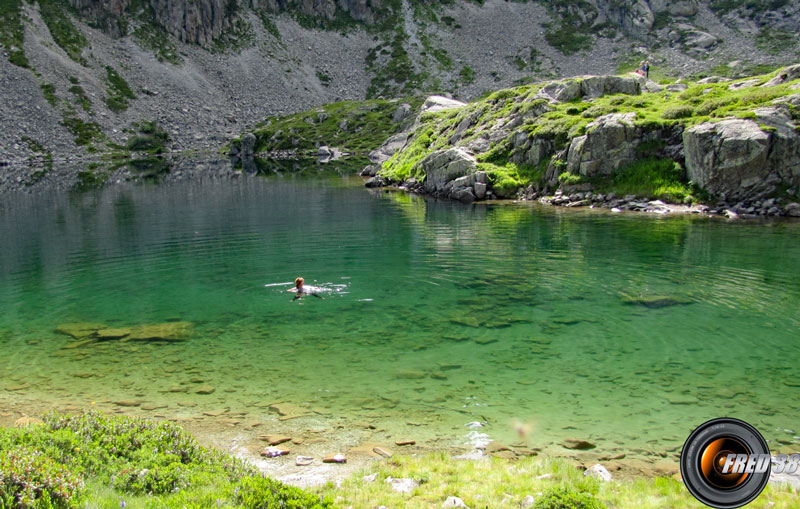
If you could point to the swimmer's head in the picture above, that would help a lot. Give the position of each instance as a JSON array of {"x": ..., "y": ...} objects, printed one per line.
[{"x": 298, "y": 282}]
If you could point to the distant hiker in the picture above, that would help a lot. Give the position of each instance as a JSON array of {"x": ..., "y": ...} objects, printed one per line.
[
  {"x": 640, "y": 70},
  {"x": 301, "y": 290},
  {"x": 646, "y": 69}
]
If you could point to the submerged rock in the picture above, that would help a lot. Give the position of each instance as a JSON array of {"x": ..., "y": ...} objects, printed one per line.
[
  {"x": 169, "y": 331},
  {"x": 79, "y": 330},
  {"x": 656, "y": 301},
  {"x": 578, "y": 444},
  {"x": 335, "y": 458},
  {"x": 112, "y": 333}
]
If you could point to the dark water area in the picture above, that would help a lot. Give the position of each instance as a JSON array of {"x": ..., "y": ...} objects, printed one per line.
[{"x": 626, "y": 330}]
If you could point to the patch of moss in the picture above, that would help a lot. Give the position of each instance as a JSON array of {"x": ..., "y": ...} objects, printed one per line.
[{"x": 56, "y": 16}]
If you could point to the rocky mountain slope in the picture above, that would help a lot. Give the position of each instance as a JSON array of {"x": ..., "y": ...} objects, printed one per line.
[{"x": 78, "y": 76}]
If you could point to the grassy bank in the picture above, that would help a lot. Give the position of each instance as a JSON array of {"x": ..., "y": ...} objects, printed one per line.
[
  {"x": 97, "y": 460},
  {"x": 495, "y": 482}
]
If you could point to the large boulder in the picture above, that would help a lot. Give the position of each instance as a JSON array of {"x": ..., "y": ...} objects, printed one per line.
[
  {"x": 561, "y": 91},
  {"x": 436, "y": 103},
  {"x": 389, "y": 147},
  {"x": 736, "y": 159},
  {"x": 596, "y": 86},
  {"x": 610, "y": 142},
  {"x": 445, "y": 165},
  {"x": 785, "y": 75}
]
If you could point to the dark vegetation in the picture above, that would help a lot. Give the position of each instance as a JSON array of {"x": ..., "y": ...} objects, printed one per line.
[{"x": 118, "y": 91}]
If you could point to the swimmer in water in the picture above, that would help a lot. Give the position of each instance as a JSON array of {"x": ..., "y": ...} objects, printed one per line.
[{"x": 301, "y": 291}]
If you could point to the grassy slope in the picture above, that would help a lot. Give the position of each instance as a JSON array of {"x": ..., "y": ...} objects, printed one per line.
[
  {"x": 560, "y": 122},
  {"x": 356, "y": 127}
]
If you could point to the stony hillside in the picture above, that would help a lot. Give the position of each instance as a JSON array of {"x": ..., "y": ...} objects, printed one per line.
[
  {"x": 615, "y": 141},
  {"x": 78, "y": 76}
]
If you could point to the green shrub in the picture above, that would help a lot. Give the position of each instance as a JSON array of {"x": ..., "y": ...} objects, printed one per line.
[
  {"x": 149, "y": 137},
  {"x": 570, "y": 179},
  {"x": 257, "y": 492},
  {"x": 567, "y": 498},
  {"x": 30, "y": 479}
]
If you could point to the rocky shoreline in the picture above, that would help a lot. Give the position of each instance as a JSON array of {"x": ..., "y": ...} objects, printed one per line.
[{"x": 572, "y": 143}]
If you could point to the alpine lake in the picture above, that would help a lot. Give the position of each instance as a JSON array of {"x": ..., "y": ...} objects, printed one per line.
[{"x": 540, "y": 324}]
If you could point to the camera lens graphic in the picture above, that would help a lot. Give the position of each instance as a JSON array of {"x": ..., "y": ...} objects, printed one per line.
[{"x": 705, "y": 455}]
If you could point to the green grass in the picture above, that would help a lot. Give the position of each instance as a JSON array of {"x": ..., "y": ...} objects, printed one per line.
[
  {"x": 56, "y": 16},
  {"x": 495, "y": 482},
  {"x": 49, "y": 92},
  {"x": 118, "y": 91},
  {"x": 775, "y": 41},
  {"x": 12, "y": 31},
  {"x": 152, "y": 37},
  {"x": 84, "y": 132},
  {"x": 80, "y": 96},
  {"x": 466, "y": 75},
  {"x": 367, "y": 124},
  {"x": 567, "y": 38},
  {"x": 268, "y": 24},
  {"x": 98, "y": 460},
  {"x": 662, "y": 179}
]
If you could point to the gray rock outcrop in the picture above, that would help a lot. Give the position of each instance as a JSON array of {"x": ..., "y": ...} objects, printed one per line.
[
  {"x": 443, "y": 166},
  {"x": 610, "y": 143},
  {"x": 736, "y": 159}
]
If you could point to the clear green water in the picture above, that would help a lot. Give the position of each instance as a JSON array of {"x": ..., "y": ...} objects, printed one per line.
[{"x": 419, "y": 290}]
